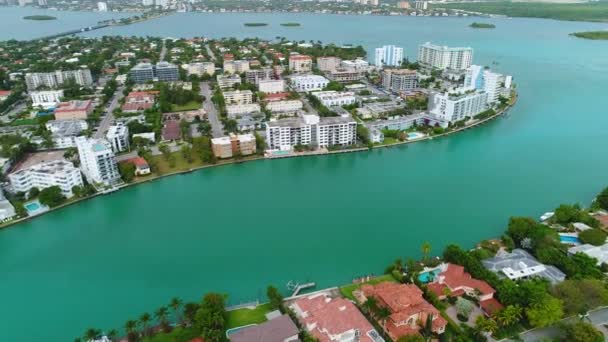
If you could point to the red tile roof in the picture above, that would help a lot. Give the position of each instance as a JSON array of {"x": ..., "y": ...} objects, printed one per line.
[
  {"x": 276, "y": 97},
  {"x": 76, "y": 105},
  {"x": 171, "y": 130},
  {"x": 5, "y": 92},
  {"x": 456, "y": 278},
  {"x": 136, "y": 106},
  {"x": 324, "y": 316},
  {"x": 139, "y": 162},
  {"x": 491, "y": 306},
  {"x": 299, "y": 58},
  {"x": 407, "y": 307},
  {"x": 603, "y": 219}
]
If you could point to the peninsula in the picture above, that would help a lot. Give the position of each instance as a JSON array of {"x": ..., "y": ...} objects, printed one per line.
[
  {"x": 39, "y": 17},
  {"x": 150, "y": 120},
  {"x": 593, "y": 35}
]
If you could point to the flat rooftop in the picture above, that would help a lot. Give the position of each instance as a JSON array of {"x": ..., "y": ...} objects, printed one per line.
[{"x": 32, "y": 159}]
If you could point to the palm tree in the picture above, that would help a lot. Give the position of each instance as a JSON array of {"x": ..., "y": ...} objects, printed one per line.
[
  {"x": 176, "y": 304},
  {"x": 383, "y": 314},
  {"x": 190, "y": 310},
  {"x": 371, "y": 304},
  {"x": 486, "y": 324},
  {"x": 144, "y": 319},
  {"x": 91, "y": 334},
  {"x": 112, "y": 334},
  {"x": 426, "y": 249},
  {"x": 509, "y": 315},
  {"x": 161, "y": 316},
  {"x": 131, "y": 329}
]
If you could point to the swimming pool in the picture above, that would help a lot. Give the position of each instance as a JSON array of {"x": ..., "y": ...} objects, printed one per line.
[
  {"x": 32, "y": 206},
  {"x": 35, "y": 207},
  {"x": 414, "y": 135},
  {"x": 569, "y": 239},
  {"x": 429, "y": 276}
]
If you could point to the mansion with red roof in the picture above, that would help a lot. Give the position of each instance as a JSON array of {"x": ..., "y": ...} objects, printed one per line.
[
  {"x": 333, "y": 319},
  {"x": 409, "y": 310},
  {"x": 138, "y": 101},
  {"x": 455, "y": 282}
]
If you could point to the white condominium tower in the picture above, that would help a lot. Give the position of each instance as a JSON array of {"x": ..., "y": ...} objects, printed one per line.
[
  {"x": 53, "y": 79},
  {"x": 389, "y": 55},
  {"x": 443, "y": 57},
  {"x": 97, "y": 161}
]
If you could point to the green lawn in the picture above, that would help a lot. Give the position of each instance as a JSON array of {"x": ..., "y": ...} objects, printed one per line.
[
  {"x": 177, "y": 335},
  {"x": 347, "y": 290},
  {"x": 240, "y": 317},
  {"x": 192, "y": 105},
  {"x": 163, "y": 166},
  {"x": 389, "y": 141},
  {"x": 21, "y": 122}
]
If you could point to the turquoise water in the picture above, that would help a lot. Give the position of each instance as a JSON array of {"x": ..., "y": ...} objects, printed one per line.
[
  {"x": 326, "y": 219},
  {"x": 428, "y": 276}
]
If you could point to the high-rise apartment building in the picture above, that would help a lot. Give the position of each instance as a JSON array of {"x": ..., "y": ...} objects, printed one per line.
[
  {"x": 97, "y": 161},
  {"x": 443, "y": 57},
  {"x": 389, "y": 55}
]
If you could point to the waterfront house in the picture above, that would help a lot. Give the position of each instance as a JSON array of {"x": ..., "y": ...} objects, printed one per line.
[
  {"x": 519, "y": 264},
  {"x": 453, "y": 281},
  {"x": 409, "y": 311},
  {"x": 333, "y": 319},
  {"x": 280, "y": 329}
]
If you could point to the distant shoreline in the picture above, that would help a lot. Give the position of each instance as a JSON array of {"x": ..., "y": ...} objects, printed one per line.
[{"x": 591, "y": 35}]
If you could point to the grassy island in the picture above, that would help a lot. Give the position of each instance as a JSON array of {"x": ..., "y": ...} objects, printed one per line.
[
  {"x": 39, "y": 17},
  {"x": 594, "y": 35},
  {"x": 256, "y": 24},
  {"x": 482, "y": 26},
  {"x": 290, "y": 24}
]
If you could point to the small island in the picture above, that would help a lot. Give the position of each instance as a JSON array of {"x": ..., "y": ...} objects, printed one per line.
[
  {"x": 593, "y": 35},
  {"x": 290, "y": 24},
  {"x": 256, "y": 24},
  {"x": 39, "y": 17},
  {"x": 482, "y": 26}
]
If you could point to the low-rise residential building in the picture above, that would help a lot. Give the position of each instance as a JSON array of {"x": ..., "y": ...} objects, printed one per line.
[
  {"x": 7, "y": 211},
  {"x": 150, "y": 136},
  {"x": 284, "y": 134},
  {"x": 328, "y": 63},
  {"x": 344, "y": 75},
  {"x": 166, "y": 72},
  {"x": 118, "y": 136},
  {"x": 236, "y": 67},
  {"x": 200, "y": 69},
  {"x": 226, "y": 82},
  {"x": 61, "y": 173},
  {"x": 305, "y": 83},
  {"x": 279, "y": 329},
  {"x": 333, "y": 319},
  {"x": 376, "y": 136},
  {"x": 256, "y": 75},
  {"x": 142, "y": 167},
  {"x": 138, "y": 101},
  {"x": 374, "y": 110},
  {"x": 4, "y": 94},
  {"x": 300, "y": 63},
  {"x": 97, "y": 161},
  {"x": 46, "y": 98},
  {"x": 397, "y": 80},
  {"x": 227, "y": 147},
  {"x": 289, "y": 107},
  {"x": 457, "y": 107},
  {"x": 335, "y": 98},
  {"x": 238, "y": 97},
  {"x": 452, "y": 280},
  {"x": 74, "y": 110},
  {"x": 171, "y": 131},
  {"x": 249, "y": 122},
  {"x": 355, "y": 65},
  {"x": 237, "y": 110},
  {"x": 311, "y": 130},
  {"x": 408, "y": 309},
  {"x": 519, "y": 264},
  {"x": 271, "y": 86},
  {"x": 64, "y": 132},
  {"x": 162, "y": 72}
]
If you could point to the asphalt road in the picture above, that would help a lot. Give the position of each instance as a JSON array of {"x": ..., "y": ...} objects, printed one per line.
[
  {"x": 109, "y": 117},
  {"x": 216, "y": 125}
]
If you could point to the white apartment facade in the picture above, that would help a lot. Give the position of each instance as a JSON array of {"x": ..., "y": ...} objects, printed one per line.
[
  {"x": 237, "y": 110},
  {"x": 284, "y": 134},
  {"x": 64, "y": 132},
  {"x": 238, "y": 97},
  {"x": 451, "y": 108},
  {"x": 61, "y": 173},
  {"x": 443, "y": 57},
  {"x": 335, "y": 98},
  {"x": 306, "y": 83},
  {"x": 399, "y": 79},
  {"x": 97, "y": 161},
  {"x": 54, "y": 79},
  {"x": 118, "y": 136},
  {"x": 46, "y": 98},
  {"x": 200, "y": 69},
  {"x": 271, "y": 86},
  {"x": 494, "y": 84},
  {"x": 389, "y": 55},
  {"x": 284, "y": 107},
  {"x": 236, "y": 67},
  {"x": 300, "y": 63},
  {"x": 225, "y": 82},
  {"x": 328, "y": 63}
]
